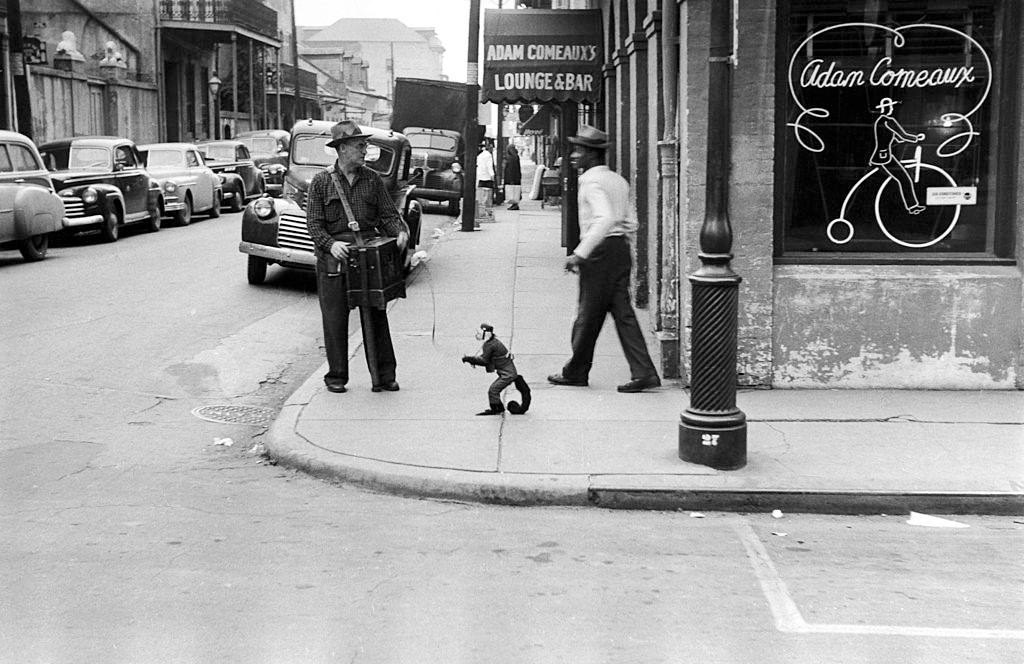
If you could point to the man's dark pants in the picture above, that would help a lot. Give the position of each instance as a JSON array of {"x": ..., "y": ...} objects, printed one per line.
[
  {"x": 333, "y": 295},
  {"x": 604, "y": 288}
]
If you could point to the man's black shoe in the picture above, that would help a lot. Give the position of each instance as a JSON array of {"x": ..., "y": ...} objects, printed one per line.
[
  {"x": 559, "y": 379},
  {"x": 390, "y": 386},
  {"x": 492, "y": 411},
  {"x": 513, "y": 207},
  {"x": 334, "y": 387},
  {"x": 640, "y": 384}
]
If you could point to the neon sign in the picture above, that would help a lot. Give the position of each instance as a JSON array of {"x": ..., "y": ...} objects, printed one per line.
[{"x": 892, "y": 77}]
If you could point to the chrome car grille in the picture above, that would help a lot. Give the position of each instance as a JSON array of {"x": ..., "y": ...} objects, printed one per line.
[
  {"x": 292, "y": 233},
  {"x": 73, "y": 207}
]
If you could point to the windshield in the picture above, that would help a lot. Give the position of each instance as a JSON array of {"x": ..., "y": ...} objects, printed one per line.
[
  {"x": 164, "y": 158},
  {"x": 218, "y": 152},
  {"x": 312, "y": 150},
  {"x": 261, "y": 145},
  {"x": 89, "y": 158},
  {"x": 433, "y": 142}
]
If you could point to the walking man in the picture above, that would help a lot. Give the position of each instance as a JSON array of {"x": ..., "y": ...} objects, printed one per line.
[
  {"x": 513, "y": 178},
  {"x": 346, "y": 199},
  {"x": 603, "y": 260},
  {"x": 484, "y": 184}
]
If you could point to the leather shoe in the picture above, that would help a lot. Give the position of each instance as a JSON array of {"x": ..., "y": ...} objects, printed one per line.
[
  {"x": 390, "y": 386},
  {"x": 640, "y": 384},
  {"x": 334, "y": 387},
  {"x": 559, "y": 379}
]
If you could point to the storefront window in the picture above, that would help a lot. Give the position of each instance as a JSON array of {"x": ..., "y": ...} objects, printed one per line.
[{"x": 888, "y": 144}]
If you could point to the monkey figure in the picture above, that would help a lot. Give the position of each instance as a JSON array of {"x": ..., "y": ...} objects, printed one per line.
[{"x": 494, "y": 357}]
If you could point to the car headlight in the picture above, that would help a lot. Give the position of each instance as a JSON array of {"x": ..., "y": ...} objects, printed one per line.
[
  {"x": 222, "y": 178},
  {"x": 89, "y": 196},
  {"x": 263, "y": 207},
  {"x": 275, "y": 169},
  {"x": 456, "y": 167},
  {"x": 170, "y": 187}
]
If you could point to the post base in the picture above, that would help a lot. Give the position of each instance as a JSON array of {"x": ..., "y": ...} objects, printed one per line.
[{"x": 716, "y": 441}]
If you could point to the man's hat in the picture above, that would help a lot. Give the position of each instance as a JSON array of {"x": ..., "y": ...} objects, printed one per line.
[
  {"x": 343, "y": 131},
  {"x": 590, "y": 137},
  {"x": 488, "y": 327},
  {"x": 886, "y": 105}
]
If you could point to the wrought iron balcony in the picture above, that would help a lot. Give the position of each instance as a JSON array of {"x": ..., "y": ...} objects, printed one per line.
[{"x": 247, "y": 14}]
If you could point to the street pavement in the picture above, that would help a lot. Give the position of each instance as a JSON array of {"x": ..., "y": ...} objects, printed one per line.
[{"x": 819, "y": 451}]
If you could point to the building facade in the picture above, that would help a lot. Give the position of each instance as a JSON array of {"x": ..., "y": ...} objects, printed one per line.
[
  {"x": 155, "y": 70},
  {"x": 875, "y": 184}
]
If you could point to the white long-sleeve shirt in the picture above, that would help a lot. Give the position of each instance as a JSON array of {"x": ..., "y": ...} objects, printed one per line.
[
  {"x": 603, "y": 197},
  {"x": 484, "y": 166}
]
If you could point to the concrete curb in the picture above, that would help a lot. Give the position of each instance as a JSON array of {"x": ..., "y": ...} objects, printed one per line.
[{"x": 287, "y": 448}]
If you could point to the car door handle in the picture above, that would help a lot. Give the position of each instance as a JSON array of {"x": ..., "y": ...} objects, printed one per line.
[{"x": 20, "y": 180}]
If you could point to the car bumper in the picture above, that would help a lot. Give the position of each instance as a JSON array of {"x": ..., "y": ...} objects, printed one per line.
[
  {"x": 437, "y": 194},
  {"x": 289, "y": 257},
  {"x": 87, "y": 220},
  {"x": 173, "y": 204}
]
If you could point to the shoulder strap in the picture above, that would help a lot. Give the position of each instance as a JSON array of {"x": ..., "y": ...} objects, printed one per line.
[{"x": 353, "y": 223}]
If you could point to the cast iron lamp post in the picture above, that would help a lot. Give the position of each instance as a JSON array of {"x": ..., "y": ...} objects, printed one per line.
[
  {"x": 712, "y": 430},
  {"x": 214, "y": 85}
]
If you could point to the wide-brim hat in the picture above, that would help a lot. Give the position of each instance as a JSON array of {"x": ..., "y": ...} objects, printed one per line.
[
  {"x": 886, "y": 104},
  {"x": 590, "y": 137},
  {"x": 343, "y": 131}
]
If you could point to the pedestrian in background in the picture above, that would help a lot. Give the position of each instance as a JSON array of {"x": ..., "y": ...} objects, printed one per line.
[
  {"x": 604, "y": 262},
  {"x": 513, "y": 177},
  {"x": 484, "y": 183},
  {"x": 345, "y": 199}
]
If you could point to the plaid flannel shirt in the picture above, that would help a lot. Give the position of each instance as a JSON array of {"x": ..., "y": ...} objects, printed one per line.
[{"x": 369, "y": 199}]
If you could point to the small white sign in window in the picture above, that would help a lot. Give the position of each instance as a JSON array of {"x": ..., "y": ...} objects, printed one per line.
[{"x": 952, "y": 195}]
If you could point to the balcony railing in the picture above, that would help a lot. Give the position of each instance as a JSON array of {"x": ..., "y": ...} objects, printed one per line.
[{"x": 242, "y": 13}]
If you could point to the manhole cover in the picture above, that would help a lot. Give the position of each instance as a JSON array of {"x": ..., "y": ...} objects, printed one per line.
[{"x": 235, "y": 414}]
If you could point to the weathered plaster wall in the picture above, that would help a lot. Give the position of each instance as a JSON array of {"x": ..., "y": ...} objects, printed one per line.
[
  {"x": 751, "y": 181},
  {"x": 920, "y": 327}
]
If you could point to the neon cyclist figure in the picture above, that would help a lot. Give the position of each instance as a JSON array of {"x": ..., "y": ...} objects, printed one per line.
[{"x": 888, "y": 130}]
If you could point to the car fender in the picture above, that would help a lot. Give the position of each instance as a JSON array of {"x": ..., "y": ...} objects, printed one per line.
[
  {"x": 107, "y": 195},
  {"x": 264, "y": 231},
  {"x": 411, "y": 210},
  {"x": 229, "y": 180},
  {"x": 36, "y": 211}
]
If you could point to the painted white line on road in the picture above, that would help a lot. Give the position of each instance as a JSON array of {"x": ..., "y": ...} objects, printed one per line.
[{"x": 789, "y": 619}]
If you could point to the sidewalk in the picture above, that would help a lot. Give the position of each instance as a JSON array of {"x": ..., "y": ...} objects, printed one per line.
[{"x": 827, "y": 451}]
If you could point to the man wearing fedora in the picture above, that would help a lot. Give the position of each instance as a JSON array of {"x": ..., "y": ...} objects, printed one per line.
[
  {"x": 604, "y": 262},
  {"x": 332, "y": 231}
]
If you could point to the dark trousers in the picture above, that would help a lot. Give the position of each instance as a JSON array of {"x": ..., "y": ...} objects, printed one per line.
[
  {"x": 333, "y": 295},
  {"x": 604, "y": 289},
  {"x": 505, "y": 378}
]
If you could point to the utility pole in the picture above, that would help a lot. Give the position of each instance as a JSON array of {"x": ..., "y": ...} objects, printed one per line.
[
  {"x": 295, "y": 65},
  {"x": 22, "y": 99},
  {"x": 470, "y": 128},
  {"x": 712, "y": 430}
]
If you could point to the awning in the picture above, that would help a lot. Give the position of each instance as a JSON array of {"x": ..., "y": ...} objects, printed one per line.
[{"x": 542, "y": 55}]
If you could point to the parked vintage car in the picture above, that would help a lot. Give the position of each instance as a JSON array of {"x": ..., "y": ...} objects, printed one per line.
[
  {"x": 30, "y": 209},
  {"x": 269, "y": 149},
  {"x": 187, "y": 183},
  {"x": 241, "y": 179},
  {"x": 437, "y": 152},
  {"x": 274, "y": 230},
  {"x": 102, "y": 183}
]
